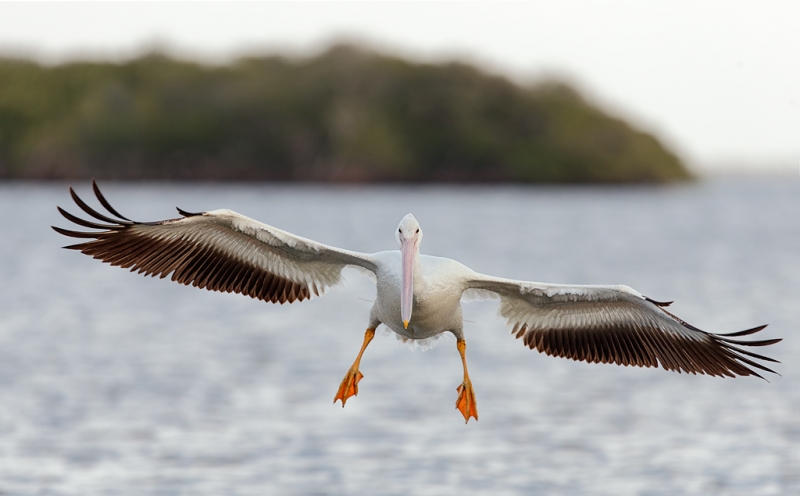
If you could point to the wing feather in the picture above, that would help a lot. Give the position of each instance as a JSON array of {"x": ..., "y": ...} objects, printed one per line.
[
  {"x": 104, "y": 202},
  {"x": 615, "y": 324},
  {"x": 219, "y": 251}
]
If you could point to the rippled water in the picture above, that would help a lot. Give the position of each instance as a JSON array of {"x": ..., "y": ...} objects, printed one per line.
[{"x": 111, "y": 383}]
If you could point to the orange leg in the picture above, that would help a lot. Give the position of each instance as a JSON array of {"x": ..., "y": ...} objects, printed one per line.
[
  {"x": 466, "y": 395},
  {"x": 349, "y": 386}
]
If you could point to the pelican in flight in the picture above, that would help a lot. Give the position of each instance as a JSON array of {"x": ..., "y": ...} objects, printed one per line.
[{"x": 418, "y": 296}]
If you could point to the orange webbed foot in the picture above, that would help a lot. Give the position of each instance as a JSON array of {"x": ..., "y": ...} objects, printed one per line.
[
  {"x": 349, "y": 385},
  {"x": 466, "y": 401}
]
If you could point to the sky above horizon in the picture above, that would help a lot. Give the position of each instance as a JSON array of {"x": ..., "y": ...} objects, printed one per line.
[{"x": 719, "y": 82}]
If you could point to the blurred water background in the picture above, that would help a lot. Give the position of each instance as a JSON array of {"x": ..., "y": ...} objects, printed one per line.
[{"x": 111, "y": 383}]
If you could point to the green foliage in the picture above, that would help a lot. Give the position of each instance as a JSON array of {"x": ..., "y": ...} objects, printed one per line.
[{"x": 345, "y": 115}]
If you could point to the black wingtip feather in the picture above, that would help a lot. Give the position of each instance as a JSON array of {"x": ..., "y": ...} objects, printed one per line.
[
  {"x": 756, "y": 355},
  {"x": 85, "y": 223},
  {"x": 75, "y": 234},
  {"x": 89, "y": 210},
  {"x": 659, "y": 303},
  {"x": 104, "y": 202},
  {"x": 764, "y": 342},
  {"x": 79, "y": 246},
  {"x": 187, "y": 214},
  {"x": 744, "y": 333}
]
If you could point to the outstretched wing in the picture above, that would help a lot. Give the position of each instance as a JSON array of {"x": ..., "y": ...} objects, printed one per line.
[
  {"x": 219, "y": 251},
  {"x": 616, "y": 324}
]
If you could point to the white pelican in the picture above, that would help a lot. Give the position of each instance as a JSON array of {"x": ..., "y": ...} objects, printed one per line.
[{"x": 418, "y": 296}]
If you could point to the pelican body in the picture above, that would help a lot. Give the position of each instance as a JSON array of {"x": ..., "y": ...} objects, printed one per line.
[
  {"x": 418, "y": 296},
  {"x": 436, "y": 300}
]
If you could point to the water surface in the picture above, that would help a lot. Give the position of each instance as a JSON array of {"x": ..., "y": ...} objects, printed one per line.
[{"x": 112, "y": 383}]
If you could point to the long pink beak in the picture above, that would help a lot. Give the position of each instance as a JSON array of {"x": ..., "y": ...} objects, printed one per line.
[{"x": 407, "y": 252}]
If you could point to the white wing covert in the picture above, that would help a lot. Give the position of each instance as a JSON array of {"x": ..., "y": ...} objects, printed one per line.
[
  {"x": 616, "y": 324},
  {"x": 219, "y": 250}
]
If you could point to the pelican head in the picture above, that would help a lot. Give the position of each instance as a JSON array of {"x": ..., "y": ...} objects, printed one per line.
[{"x": 409, "y": 236}]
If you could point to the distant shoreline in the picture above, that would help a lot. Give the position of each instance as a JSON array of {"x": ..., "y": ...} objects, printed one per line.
[{"x": 348, "y": 115}]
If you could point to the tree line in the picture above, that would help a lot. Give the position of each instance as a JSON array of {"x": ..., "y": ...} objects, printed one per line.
[{"x": 345, "y": 115}]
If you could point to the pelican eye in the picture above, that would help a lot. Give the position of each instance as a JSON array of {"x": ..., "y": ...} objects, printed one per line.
[
  {"x": 417, "y": 230},
  {"x": 400, "y": 231}
]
